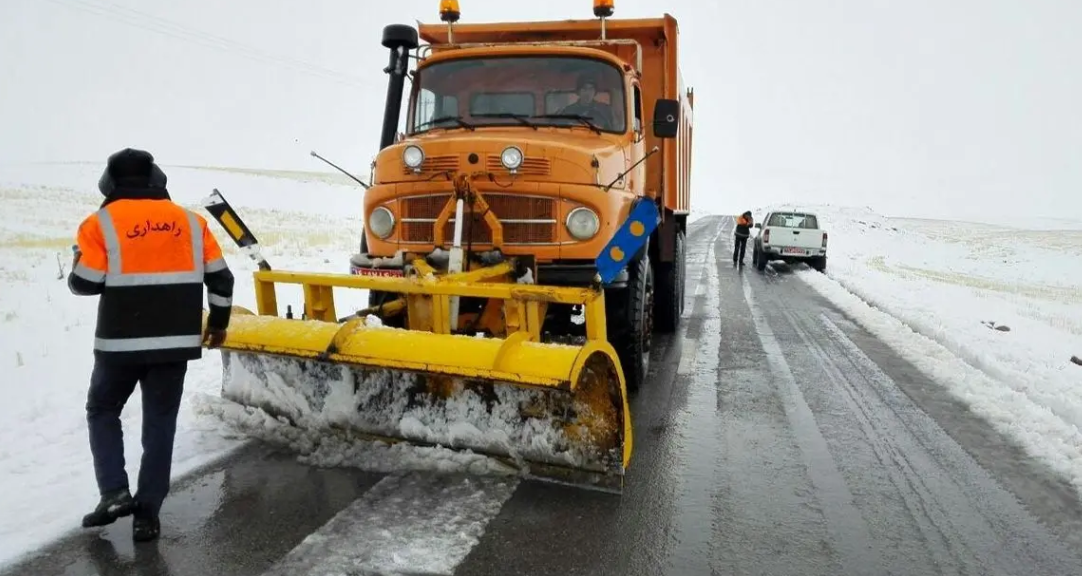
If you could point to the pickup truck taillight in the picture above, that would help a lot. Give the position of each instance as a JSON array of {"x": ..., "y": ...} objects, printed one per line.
[
  {"x": 766, "y": 235},
  {"x": 824, "y": 239}
]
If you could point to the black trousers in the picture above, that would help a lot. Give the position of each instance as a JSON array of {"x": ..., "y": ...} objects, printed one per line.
[
  {"x": 740, "y": 245},
  {"x": 111, "y": 385}
]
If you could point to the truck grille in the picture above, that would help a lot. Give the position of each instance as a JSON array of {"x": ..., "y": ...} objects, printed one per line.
[
  {"x": 435, "y": 164},
  {"x": 530, "y": 166},
  {"x": 525, "y": 219}
]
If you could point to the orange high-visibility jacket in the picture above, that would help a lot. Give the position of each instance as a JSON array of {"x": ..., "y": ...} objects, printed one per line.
[{"x": 149, "y": 259}]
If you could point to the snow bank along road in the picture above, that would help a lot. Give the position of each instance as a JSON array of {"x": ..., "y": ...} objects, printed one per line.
[{"x": 776, "y": 437}]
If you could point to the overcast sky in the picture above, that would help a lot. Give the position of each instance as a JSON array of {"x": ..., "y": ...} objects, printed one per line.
[{"x": 941, "y": 108}]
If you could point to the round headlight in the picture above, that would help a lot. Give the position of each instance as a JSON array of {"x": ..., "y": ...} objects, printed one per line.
[
  {"x": 381, "y": 222},
  {"x": 511, "y": 157},
  {"x": 582, "y": 223},
  {"x": 413, "y": 156}
]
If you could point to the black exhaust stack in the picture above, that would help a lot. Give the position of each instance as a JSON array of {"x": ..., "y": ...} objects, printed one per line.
[{"x": 399, "y": 39}]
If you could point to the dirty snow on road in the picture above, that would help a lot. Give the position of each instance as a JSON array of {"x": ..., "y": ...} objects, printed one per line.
[{"x": 989, "y": 311}]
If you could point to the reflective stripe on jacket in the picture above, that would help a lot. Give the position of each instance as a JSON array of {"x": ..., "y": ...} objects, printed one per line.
[{"x": 148, "y": 259}]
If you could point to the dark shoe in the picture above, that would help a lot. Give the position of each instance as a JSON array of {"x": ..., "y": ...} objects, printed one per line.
[
  {"x": 145, "y": 529},
  {"x": 112, "y": 506}
]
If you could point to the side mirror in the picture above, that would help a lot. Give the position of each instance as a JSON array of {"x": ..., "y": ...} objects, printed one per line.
[
  {"x": 666, "y": 118},
  {"x": 758, "y": 225}
]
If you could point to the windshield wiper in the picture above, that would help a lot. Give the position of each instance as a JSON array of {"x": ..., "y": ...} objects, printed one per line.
[
  {"x": 581, "y": 118},
  {"x": 520, "y": 117},
  {"x": 456, "y": 119}
]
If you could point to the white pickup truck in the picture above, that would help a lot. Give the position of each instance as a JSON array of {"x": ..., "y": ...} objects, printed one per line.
[{"x": 790, "y": 236}]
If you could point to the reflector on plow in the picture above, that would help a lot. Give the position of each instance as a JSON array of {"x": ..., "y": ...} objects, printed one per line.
[{"x": 555, "y": 411}]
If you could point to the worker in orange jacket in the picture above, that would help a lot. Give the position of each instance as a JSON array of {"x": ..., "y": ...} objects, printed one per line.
[
  {"x": 148, "y": 259},
  {"x": 744, "y": 223}
]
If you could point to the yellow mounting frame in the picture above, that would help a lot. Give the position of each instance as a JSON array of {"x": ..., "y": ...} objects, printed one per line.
[{"x": 428, "y": 292}]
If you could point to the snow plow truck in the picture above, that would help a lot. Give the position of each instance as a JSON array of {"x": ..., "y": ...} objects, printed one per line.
[{"x": 523, "y": 240}]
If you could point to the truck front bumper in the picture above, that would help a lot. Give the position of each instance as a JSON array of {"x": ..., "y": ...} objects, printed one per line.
[{"x": 557, "y": 273}]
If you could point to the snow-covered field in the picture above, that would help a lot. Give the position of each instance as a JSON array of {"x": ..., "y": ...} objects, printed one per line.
[
  {"x": 992, "y": 313},
  {"x": 46, "y": 333}
]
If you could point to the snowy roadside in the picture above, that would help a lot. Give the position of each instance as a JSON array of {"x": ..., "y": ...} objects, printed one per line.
[
  {"x": 989, "y": 312},
  {"x": 46, "y": 332}
]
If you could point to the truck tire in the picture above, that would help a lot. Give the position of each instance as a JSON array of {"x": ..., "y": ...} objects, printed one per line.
[
  {"x": 630, "y": 313},
  {"x": 819, "y": 264},
  {"x": 670, "y": 289}
]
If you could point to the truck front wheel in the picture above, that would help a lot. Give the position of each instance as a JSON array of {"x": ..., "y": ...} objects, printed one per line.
[
  {"x": 670, "y": 289},
  {"x": 630, "y": 313}
]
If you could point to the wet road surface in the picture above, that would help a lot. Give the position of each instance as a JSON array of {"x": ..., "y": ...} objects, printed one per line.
[{"x": 775, "y": 437}]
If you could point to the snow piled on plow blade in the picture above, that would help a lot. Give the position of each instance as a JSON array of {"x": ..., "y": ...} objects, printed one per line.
[{"x": 375, "y": 418}]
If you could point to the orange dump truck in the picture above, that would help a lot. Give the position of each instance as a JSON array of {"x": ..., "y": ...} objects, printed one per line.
[
  {"x": 524, "y": 239},
  {"x": 550, "y": 133}
]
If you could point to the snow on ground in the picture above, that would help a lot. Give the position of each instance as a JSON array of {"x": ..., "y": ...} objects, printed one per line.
[
  {"x": 945, "y": 285},
  {"x": 305, "y": 222}
]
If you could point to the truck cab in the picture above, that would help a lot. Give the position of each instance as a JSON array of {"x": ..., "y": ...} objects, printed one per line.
[{"x": 544, "y": 135}]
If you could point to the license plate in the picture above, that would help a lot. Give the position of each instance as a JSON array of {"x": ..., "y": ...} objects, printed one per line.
[
  {"x": 377, "y": 272},
  {"x": 800, "y": 251}
]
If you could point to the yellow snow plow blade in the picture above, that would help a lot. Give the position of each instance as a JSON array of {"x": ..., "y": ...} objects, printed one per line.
[{"x": 553, "y": 410}]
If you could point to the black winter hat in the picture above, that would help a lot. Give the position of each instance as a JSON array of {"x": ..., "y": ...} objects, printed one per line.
[{"x": 131, "y": 168}]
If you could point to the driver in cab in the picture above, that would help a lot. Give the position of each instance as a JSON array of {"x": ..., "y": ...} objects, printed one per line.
[{"x": 586, "y": 106}]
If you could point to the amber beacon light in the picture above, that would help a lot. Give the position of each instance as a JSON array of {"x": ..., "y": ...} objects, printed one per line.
[
  {"x": 450, "y": 13},
  {"x": 603, "y": 9}
]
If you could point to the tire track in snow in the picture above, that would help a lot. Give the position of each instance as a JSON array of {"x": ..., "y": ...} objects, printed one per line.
[
  {"x": 856, "y": 552},
  {"x": 901, "y": 463},
  {"x": 974, "y": 516}
]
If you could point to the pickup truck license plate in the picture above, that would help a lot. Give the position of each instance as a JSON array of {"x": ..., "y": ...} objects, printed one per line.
[{"x": 799, "y": 251}]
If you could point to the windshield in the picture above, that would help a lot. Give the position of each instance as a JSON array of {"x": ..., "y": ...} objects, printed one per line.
[{"x": 519, "y": 90}]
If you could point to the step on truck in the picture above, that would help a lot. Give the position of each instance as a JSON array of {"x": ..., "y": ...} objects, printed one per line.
[{"x": 524, "y": 238}]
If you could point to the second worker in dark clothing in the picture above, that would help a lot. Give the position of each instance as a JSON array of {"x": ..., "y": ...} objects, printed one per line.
[
  {"x": 740, "y": 237},
  {"x": 148, "y": 259}
]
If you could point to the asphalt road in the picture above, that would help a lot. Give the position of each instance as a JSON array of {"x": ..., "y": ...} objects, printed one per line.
[{"x": 775, "y": 437}]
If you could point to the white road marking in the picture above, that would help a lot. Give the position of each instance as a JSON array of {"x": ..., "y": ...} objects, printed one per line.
[
  {"x": 707, "y": 284},
  {"x": 407, "y": 523}
]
